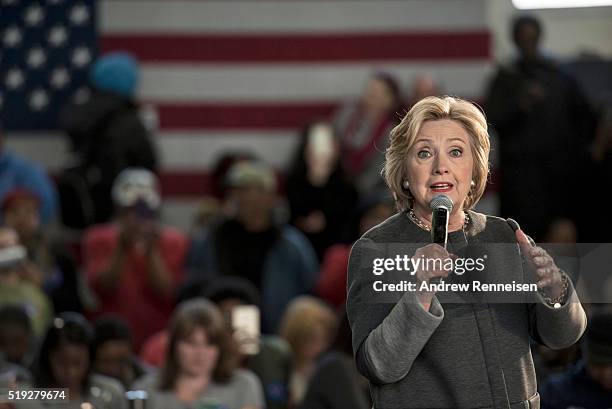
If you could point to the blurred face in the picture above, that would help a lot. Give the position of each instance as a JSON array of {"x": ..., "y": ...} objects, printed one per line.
[
  {"x": 253, "y": 201},
  {"x": 113, "y": 358},
  {"x": 195, "y": 355},
  {"x": 315, "y": 345},
  {"x": 227, "y": 306},
  {"x": 377, "y": 98},
  {"x": 527, "y": 39},
  {"x": 23, "y": 217},
  {"x": 440, "y": 162},
  {"x": 8, "y": 238},
  {"x": 602, "y": 374},
  {"x": 137, "y": 223},
  {"x": 14, "y": 342},
  {"x": 69, "y": 365},
  {"x": 423, "y": 87}
]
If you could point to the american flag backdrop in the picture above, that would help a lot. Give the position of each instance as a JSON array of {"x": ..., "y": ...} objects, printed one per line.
[{"x": 221, "y": 75}]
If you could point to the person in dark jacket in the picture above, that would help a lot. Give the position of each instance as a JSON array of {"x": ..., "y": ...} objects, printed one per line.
[
  {"x": 106, "y": 135},
  {"x": 275, "y": 257},
  {"x": 318, "y": 190},
  {"x": 588, "y": 384},
  {"x": 544, "y": 124},
  {"x": 420, "y": 343}
]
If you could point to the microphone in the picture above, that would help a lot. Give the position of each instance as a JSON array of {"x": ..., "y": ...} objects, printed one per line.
[{"x": 441, "y": 207}]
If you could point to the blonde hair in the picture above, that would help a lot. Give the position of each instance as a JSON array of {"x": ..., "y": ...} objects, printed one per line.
[
  {"x": 303, "y": 317},
  {"x": 403, "y": 137}
]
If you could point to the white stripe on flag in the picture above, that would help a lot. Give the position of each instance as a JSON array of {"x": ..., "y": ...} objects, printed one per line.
[
  {"x": 136, "y": 16},
  {"x": 194, "y": 150},
  {"x": 292, "y": 83}
]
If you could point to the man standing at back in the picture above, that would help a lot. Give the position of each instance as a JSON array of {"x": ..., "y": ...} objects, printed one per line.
[{"x": 543, "y": 123}]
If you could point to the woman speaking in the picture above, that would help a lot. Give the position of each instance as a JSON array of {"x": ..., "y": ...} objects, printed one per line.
[{"x": 426, "y": 349}]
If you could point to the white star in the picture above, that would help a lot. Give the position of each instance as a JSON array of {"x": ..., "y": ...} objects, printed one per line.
[
  {"x": 36, "y": 57},
  {"x": 57, "y": 36},
  {"x": 39, "y": 99},
  {"x": 59, "y": 78},
  {"x": 11, "y": 37},
  {"x": 34, "y": 15},
  {"x": 14, "y": 78},
  {"x": 79, "y": 14},
  {"x": 81, "y": 56}
]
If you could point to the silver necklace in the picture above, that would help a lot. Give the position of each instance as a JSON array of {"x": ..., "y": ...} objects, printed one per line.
[{"x": 412, "y": 215}]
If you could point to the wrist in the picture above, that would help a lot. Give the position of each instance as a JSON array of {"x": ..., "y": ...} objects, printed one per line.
[{"x": 557, "y": 296}]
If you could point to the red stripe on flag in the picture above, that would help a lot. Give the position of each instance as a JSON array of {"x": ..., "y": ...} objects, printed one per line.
[
  {"x": 242, "y": 116},
  {"x": 195, "y": 183},
  {"x": 187, "y": 183},
  {"x": 300, "y": 48}
]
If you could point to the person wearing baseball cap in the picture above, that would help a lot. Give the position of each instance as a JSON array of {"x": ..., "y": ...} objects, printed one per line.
[
  {"x": 274, "y": 256},
  {"x": 135, "y": 263}
]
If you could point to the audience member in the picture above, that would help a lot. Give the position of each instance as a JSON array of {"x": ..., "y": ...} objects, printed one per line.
[
  {"x": 16, "y": 335},
  {"x": 15, "y": 289},
  {"x": 588, "y": 384},
  {"x": 423, "y": 86},
  {"x": 277, "y": 259},
  {"x": 135, "y": 264},
  {"x": 336, "y": 384},
  {"x": 544, "y": 124},
  {"x": 48, "y": 265},
  {"x": 309, "y": 327},
  {"x": 113, "y": 351},
  {"x": 201, "y": 365},
  {"x": 271, "y": 363},
  {"x": 64, "y": 361},
  {"x": 318, "y": 190},
  {"x": 363, "y": 128},
  {"x": 19, "y": 173},
  {"x": 106, "y": 135}
]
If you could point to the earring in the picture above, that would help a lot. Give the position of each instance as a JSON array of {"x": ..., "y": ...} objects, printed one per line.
[
  {"x": 406, "y": 184},
  {"x": 472, "y": 184}
]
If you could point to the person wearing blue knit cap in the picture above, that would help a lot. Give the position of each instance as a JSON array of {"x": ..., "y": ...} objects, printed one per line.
[
  {"x": 106, "y": 135},
  {"x": 117, "y": 73}
]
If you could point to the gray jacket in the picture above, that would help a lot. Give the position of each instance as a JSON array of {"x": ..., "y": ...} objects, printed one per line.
[{"x": 466, "y": 352}]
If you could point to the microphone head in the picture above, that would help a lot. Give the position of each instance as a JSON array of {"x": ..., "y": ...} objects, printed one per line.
[{"x": 441, "y": 201}]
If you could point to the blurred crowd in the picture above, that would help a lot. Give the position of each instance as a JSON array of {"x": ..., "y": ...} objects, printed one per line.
[{"x": 122, "y": 301}]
